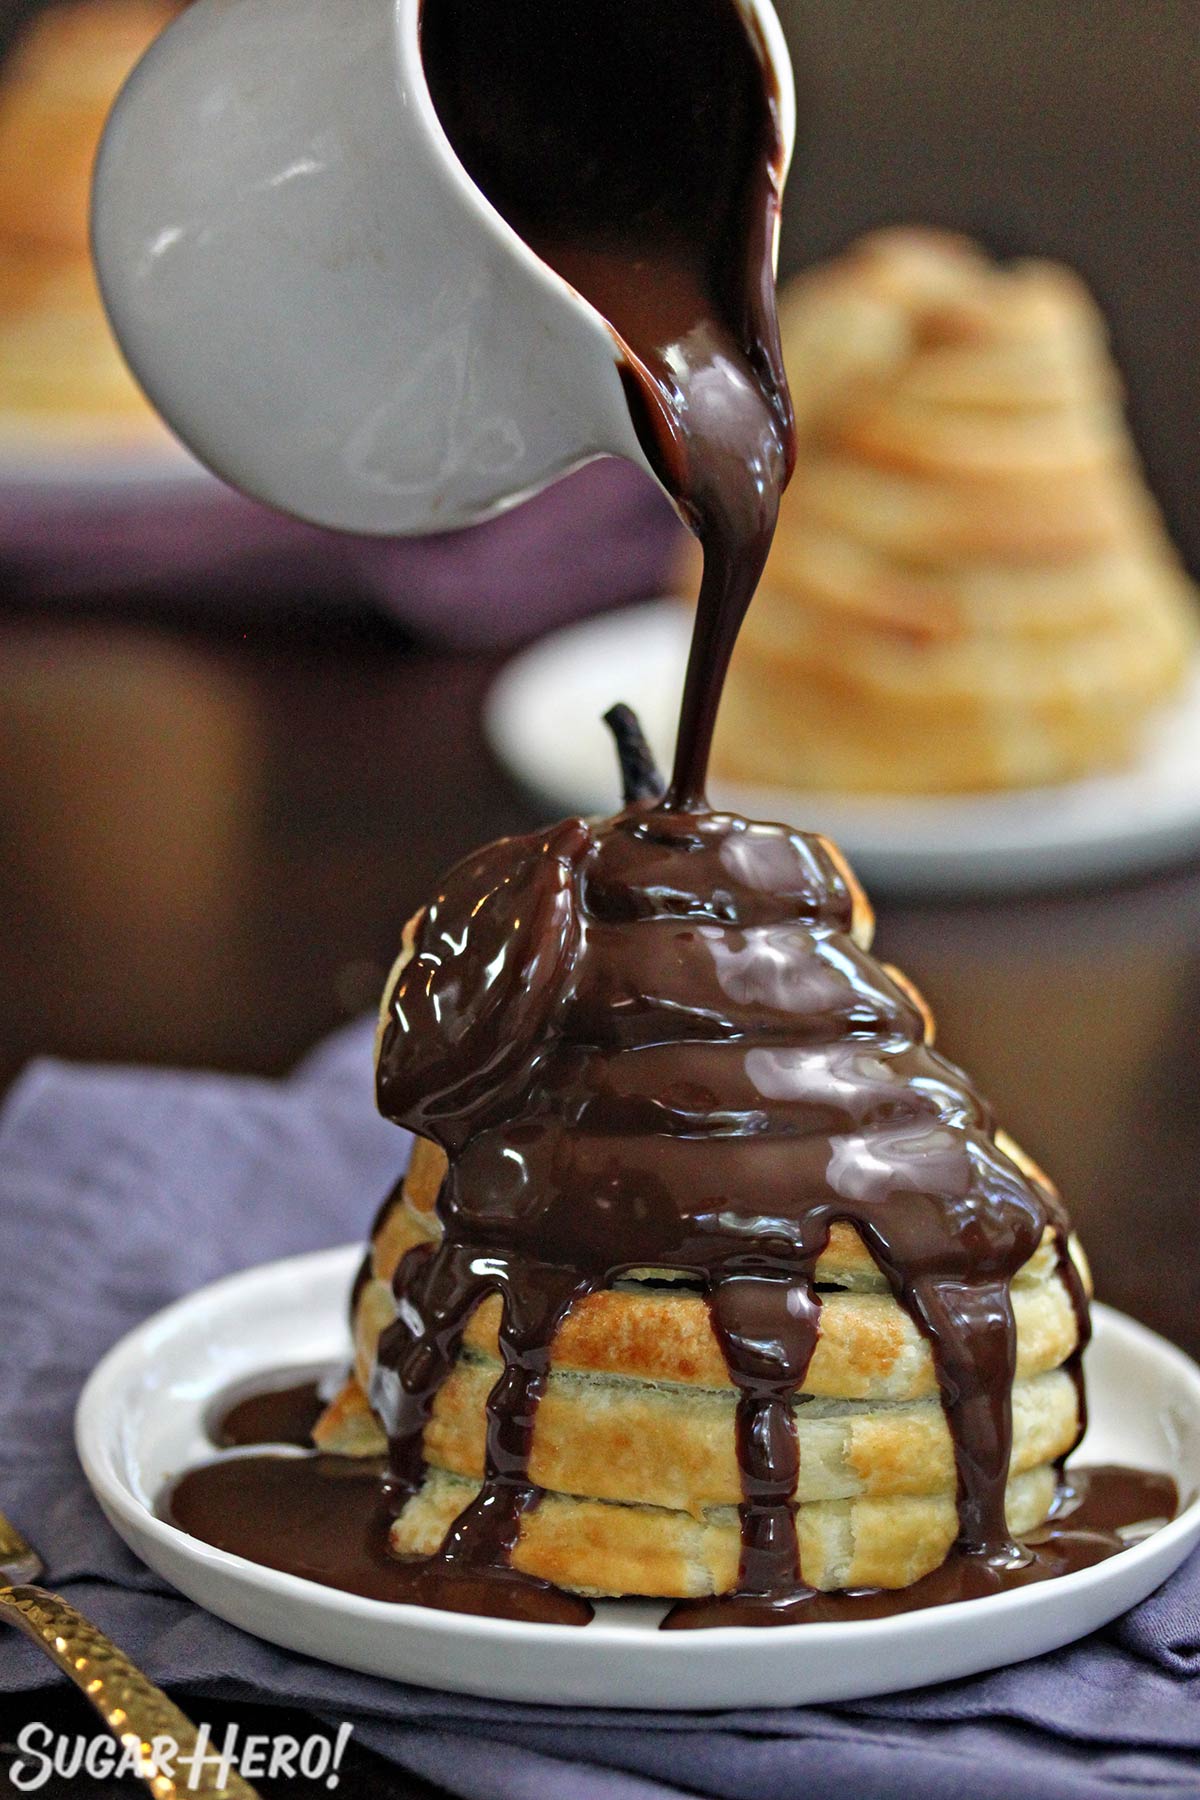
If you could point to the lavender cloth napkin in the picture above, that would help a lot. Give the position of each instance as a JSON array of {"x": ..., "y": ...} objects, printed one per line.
[
  {"x": 601, "y": 536},
  {"x": 121, "y": 1189}
]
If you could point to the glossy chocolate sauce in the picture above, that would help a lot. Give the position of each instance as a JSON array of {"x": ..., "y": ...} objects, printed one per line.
[
  {"x": 323, "y": 1517},
  {"x": 272, "y": 1409},
  {"x": 658, "y": 1043},
  {"x": 637, "y": 150}
]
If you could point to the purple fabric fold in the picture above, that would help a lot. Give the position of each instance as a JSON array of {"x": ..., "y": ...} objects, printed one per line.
[
  {"x": 602, "y": 536},
  {"x": 121, "y": 1189}
]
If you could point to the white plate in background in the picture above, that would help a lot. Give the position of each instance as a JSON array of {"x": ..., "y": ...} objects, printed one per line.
[
  {"x": 543, "y": 721},
  {"x": 140, "y": 1421}
]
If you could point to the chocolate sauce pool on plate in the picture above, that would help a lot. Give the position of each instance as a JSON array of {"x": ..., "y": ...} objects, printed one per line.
[
  {"x": 277, "y": 1408},
  {"x": 654, "y": 1043},
  {"x": 325, "y": 1518}
]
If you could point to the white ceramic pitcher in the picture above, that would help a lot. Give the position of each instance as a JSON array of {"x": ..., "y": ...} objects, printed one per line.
[{"x": 315, "y": 294}]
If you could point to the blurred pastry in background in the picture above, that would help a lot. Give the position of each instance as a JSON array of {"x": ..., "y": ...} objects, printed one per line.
[
  {"x": 971, "y": 587},
  {"x": 61, "y": 375}
]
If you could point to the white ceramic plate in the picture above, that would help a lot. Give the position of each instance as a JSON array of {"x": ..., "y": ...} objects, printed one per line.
[
  {"x": 543, "y": 720},
  {"x": 140, "y": 1421}
]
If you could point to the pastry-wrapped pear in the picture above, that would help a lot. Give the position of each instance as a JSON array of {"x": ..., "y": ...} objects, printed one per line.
[
  {"x": 970, "y": 586},
  {"x": 692, "y": 1185}
]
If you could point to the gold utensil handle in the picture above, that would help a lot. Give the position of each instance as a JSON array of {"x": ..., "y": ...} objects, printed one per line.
[
  {"x": 19, "y": 1561},
  {"x": 135, "y": 1711}
]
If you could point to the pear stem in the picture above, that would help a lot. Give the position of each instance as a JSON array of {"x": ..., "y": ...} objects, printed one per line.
[{"x": 640, "y": 779}]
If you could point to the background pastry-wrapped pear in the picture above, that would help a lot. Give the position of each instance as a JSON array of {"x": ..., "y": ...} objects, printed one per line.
[{"x": 971, "y": 586}]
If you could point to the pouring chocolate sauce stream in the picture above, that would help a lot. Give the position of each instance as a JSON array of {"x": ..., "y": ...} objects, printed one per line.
[{"x": 659, "y": 1043}]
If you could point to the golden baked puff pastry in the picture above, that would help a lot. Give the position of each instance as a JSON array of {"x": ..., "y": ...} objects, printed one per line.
[
  {"x": 634, "y": 1443},
  {"x": 970, "y": 586},
  {"x": 61, "y": 375}
]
